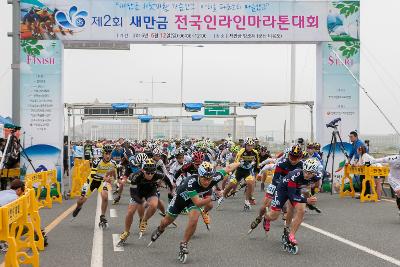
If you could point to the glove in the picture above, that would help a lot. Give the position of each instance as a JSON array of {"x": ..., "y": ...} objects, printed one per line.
[{"x": 367, "y": 163}]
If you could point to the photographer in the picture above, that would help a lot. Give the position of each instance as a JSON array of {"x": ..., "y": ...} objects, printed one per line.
[
  {"x": 2, "y": 146},
  {"x": 11, "y": 156},
  {"x": 356, "y": 143}
]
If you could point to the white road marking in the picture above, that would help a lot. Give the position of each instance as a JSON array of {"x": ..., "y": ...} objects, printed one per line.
[
  {"x": 97, "y": 248},
  {"x": 353, "y": 244},
  {"x": 115, "y": 242},
  {"x": 113, "y": 213},
  {"x": 388, "y": 200}
]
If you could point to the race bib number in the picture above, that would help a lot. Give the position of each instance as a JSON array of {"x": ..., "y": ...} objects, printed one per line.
[{"x": 271, "y": 189}]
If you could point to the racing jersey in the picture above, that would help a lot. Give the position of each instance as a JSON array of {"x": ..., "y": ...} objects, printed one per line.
[
  {"x": 143, "y": 185},
  {"x": 187, "y": 168},
  {"x": 394, "y": 165},
  {"x": 100, "y": 168},
  {"x": 88, "y": 150},
  {"x": 117, "y": 155},
  {"x": 283, "y": 167},
  {"x": 191, "y": 187},
  {"x": 292, "y": 184},
  {"x": 248, "y": 159}
]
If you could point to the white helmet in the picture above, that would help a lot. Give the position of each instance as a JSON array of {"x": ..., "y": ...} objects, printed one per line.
[
  {"x": 157, "y": 151},
  {"x": 249, "y": 141},
  {"x": 311, "y": 165},
  {"x": 141, "y": 157}
]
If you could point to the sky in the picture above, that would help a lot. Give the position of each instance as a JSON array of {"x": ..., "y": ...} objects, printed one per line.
[{"x": 228, "y": 72}]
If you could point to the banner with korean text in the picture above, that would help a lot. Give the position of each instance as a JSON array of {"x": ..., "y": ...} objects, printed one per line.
[
  {"x": 42, "y": 104},
  {"x": 219, "y": 21},
  {"x": 338, "y": 98}
]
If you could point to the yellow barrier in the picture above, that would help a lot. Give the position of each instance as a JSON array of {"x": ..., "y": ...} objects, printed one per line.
[
  {"x": 18, "y": 231},
  {"x": 369, "y": 173},
  {"x": 44, "y": 180},
  {"x": 9, "y": 173},
  {"x": 80, "y": 173}
]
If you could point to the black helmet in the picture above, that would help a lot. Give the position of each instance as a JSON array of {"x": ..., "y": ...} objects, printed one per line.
[
  {"x": 107, "y": 149},
  {"x": 149, "y": 165}
]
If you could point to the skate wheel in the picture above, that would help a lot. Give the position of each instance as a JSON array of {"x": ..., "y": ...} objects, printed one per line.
[
  {"x": 294, "y": 250},
  {"x": 182, "y": 258},
  {"x": 121, "y": 243}
]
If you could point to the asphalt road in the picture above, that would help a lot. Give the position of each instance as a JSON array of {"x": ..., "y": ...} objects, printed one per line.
[{"x": 371, "y": 227}]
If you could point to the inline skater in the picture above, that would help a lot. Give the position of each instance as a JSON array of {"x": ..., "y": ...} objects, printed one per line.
[
  {"x": 193, "y": 194},
  {"x": 249, "y": 165},
  {"x": 100, "y": 178},
  {"x": 290, "y": 189},
  {"x": 160, "y": 167},
  {"x": 265, "y": 159},
  {"x": 283, "y": 167},
  {"x": 88, "y": 150},
  {"x": 394, "y": 174},
  {"x": 143, "y": 187},
  {"x": 197, "y": 159},
  {"x": 128, "y": 165}
]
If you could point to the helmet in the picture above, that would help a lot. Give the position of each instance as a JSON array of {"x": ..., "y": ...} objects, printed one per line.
[
  {"x": 149, "y": 165},
  {"x": 235, "y": 149},
  {"x": 206, "y": 169},
  {"x": 249, "y": 141},
  {"x": 296, "y": 151},
  {"x": 157, "y": 151},
  {"x": 180, "y": 152},
  {"x": 310, "y": 145},
  {"x": 263, "y": 148},
  {"x": 300, "y": 140},
  {"x": 141, "y": 157},
  {"x": 317, "y": 146},
  {"x": 311, "y": 165},
  {"x": 107, "y": 149},
  {"x": 198, "y": 156}
]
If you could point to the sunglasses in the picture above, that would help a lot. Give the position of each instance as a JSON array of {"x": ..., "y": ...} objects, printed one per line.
[{"x": 150, "y": 173}]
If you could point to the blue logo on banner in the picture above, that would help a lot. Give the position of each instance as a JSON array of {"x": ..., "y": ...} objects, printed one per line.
[{"x": 73, "y": 19}]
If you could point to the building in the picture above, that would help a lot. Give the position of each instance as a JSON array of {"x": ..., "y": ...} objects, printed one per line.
[{"x": 134, "y": 129}]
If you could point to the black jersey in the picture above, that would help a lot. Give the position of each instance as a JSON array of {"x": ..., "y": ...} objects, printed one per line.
[
  {"x": 142, "y": 184},
  {"x": 191, "y": 187}
]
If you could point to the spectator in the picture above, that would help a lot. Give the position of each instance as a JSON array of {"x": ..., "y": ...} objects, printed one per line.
[
  {"x": 8, "y": 196},
  {"x": 65, "y": 158},
  {"x": 364, "y": 157},
  {"x": 356, "y": 143},
  {"x": 17, "y": 189}
]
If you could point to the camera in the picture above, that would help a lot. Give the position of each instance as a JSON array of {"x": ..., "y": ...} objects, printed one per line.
[{"x": 333, "y": 124}]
